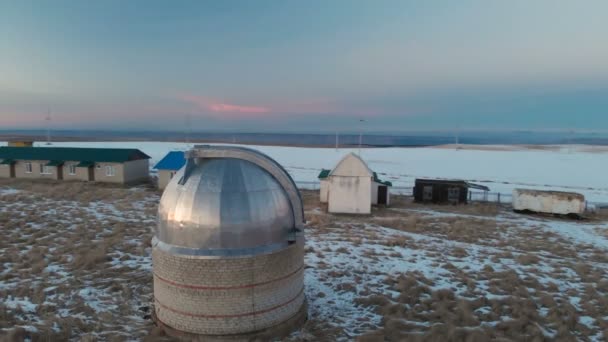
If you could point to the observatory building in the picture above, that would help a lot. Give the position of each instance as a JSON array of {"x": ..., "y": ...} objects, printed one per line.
[{"x": 228, "y": 250}]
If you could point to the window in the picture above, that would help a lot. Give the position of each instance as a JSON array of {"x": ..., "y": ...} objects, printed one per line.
[
  {"x": 72, "y": 169},
  {"x": 110, "y": 171},
  {"x": 28, "y": 167},
  {"x": 453, "y": 195},
  {"x": 45, "y": 170}
]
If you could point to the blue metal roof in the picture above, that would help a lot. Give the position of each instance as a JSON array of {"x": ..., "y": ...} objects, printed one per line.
[{"x": 172, "y": 161}]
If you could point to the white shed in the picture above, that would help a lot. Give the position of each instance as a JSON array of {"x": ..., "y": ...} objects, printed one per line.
[{"x": 352, "y": 188}]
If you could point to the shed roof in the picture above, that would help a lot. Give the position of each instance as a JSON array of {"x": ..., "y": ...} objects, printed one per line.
[
  {"x": 324, "y": 174},
  {"x": 352, "y": 165},
  {"x": 378, "y": 180},
  {"x": 362, "y": 167},
  {"x": 560, "y": 194},
  {"x": 455, "y": 182},
  {"x": 108, "y": 155},
  {"x": 174, "y": 160}
]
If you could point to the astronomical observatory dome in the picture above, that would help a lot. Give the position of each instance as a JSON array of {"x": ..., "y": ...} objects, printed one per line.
[
  {"x": 228, "y": 248},
  {"x": 225, "y": 204}
]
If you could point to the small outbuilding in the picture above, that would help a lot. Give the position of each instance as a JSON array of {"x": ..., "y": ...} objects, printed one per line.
[
  {"x": 168, "y": 167},
  {"x": 352, "y": 188},
  {"x": 443, "y": 191},
  {"x": 549, "y": 202}
]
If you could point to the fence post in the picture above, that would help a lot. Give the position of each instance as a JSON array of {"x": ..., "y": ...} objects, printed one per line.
[
  {"x": 470, "y": 195},
  {"x": 499, "y": 198}
]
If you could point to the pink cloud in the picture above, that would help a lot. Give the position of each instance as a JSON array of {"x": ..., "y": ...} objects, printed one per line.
[
  {"x": 213, "y": 106},
  {"x": 224, "y": 107},
  {"x": 319, "y": 106}
]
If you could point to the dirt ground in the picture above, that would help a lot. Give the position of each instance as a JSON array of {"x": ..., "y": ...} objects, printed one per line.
[{"x": 75, "y": 265}]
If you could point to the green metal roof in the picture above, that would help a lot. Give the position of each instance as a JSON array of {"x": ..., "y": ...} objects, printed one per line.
[
  {"x": 378, "y": 180},
  {"x": 324, "y": 174},
  {"x": 108, "y": 155},
  {"x": 7, "y": 162},
  {"x": 55, "y": 163},
  {"x": 85, "y": 163}
]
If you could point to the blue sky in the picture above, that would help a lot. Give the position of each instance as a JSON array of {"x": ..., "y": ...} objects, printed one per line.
[{"x": 305, "y": 65}]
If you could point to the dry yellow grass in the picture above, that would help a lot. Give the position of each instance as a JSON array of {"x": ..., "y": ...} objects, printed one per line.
[
  {"x": 96, "y": 238},
  {"x": 62, "y": 241},
  {"x": 420, "y": 313}
]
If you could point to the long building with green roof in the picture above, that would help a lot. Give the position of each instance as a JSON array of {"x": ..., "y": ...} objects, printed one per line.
[{"x": 110, "y": 165}]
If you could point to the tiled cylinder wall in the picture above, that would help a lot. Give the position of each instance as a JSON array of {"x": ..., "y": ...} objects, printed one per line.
[{"x": 228, "y": 296}]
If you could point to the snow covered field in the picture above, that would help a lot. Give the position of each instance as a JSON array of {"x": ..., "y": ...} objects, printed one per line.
[
  {"x": 569, "y": 168},
  {"x": 75, "y": 262}
]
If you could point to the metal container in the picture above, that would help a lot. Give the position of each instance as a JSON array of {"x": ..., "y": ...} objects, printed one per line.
[{"x": 550, "y": 202}]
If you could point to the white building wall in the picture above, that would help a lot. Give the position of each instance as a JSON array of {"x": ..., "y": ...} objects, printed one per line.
[
  {"x": 374, "y": 193},
  {"x": 136, "y": 170},
  {"x": 5, "y": 171},
  {"x": 164, "y": 177},
  {"x": 350, "y": 195},
  {"x": 324, "y": 189},
  {"x": 550, "y": 202},
  {"x": 82, "y": 173}
]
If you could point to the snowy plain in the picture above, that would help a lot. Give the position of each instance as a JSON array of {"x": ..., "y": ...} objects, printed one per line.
[
  {"x": 76, "y": 260},
  {"x": 567, "y": 168}
]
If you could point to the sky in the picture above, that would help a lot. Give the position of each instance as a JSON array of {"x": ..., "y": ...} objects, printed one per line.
[{"x": 317, "y": 65}]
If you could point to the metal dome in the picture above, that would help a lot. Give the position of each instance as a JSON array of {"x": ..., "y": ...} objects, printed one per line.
[{"x": 227, "y": 201}]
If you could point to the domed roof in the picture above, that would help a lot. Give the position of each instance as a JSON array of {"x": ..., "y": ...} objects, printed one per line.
[{"x": 221, "y": 205}]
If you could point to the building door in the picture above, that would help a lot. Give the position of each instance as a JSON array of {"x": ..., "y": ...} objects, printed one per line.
[
  {"x": 454, "y": 195},
  {"x": 382, "y": 194},
  {"x": 427, "y": 193},
  {"x": 91, "y": 174},
  {"x": 59, "y": 172},
  {"x": 12, "y": 170}
]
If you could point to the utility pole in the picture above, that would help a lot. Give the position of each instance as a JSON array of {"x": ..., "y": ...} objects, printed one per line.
[
  {"x": 360, "y": 135},
  {"x": 48, "y": 126},
  {"x": 188, "y": 129},
  {"x": 337, "y": 140}
]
